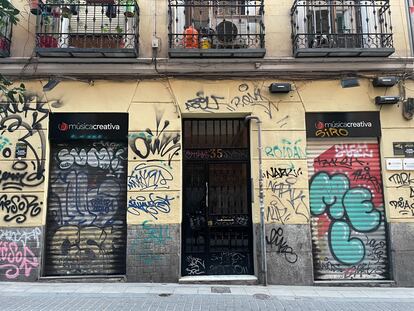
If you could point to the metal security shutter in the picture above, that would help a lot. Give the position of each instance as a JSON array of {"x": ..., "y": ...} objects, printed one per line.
[
  {"x": 86, "y": 218},
  {"x": 347, "y": 210}
]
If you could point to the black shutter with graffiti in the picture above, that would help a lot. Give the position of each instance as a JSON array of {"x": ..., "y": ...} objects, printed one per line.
[{"x": 86, "y": 218}]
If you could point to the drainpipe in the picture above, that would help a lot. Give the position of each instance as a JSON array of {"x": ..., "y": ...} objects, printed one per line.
[{"x": 261, "y": 197}]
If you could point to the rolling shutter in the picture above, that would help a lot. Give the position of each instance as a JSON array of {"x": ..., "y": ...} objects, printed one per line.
[
  {"x": 86, "y": 218},
  {"x": 347, "y": 210}
]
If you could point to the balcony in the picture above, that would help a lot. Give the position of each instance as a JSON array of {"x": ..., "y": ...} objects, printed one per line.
[
  {"x": 342, "y": 28},
  {"x": 216, "y": 28},
  {"x": 87, "y": 28},
  {"x": 5, "y": 36}
]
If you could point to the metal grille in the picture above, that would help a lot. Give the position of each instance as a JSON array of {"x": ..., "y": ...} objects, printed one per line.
[
  {"x": 86, "y": 218},
  {"x": 5, "y": 36},
  {"x": 88, "y": 26},
  {"x": 347, "y": 207},
  {"x": 216, "y": 24},
  {"x": 341, "y": 24},
  {"x": 217, "y": 226}
]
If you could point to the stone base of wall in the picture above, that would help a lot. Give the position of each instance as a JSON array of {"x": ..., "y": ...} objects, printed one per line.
[
  {"x": 20, "y": 253},
  {"x": 289, "y": 254},
  {"x": 153, "y": 253},
  {"x": 402, "y": 253}
]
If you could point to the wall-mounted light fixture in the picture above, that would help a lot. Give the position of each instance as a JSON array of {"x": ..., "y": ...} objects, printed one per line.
[
  {"x": 280, "y": 88},
  {"x": 387, "y": 100},
  {"x": 384, "y": 81},
  {"x": 408, "y": 108}
]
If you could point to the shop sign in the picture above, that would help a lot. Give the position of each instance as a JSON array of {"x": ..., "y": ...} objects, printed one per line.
[
  {"x": 343, "y": 124},
  {"x": 65, "y": 127}
]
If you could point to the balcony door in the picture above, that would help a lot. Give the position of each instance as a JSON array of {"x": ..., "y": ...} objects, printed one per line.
[{"x": 217, "y": 223}]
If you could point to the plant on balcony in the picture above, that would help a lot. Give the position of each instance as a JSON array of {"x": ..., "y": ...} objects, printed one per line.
[
  {"x": 100, "y": 1},
  {"x": 47, "y": 40},
  {"x": 7, "y": 91},
  {"x": 36, "y": 7},
  {"x": 129, "y": 8}
]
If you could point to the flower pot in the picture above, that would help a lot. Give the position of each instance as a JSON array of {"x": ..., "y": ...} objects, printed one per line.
[
  {"x": 56, "y": 11},
  {"x": 35, "y": 7},
  {"x": 130, "y": 8},
  {"x": 47, "y": 41},
  {"x": 110, "y": 11},
  {"x": 74, "y": 9}
]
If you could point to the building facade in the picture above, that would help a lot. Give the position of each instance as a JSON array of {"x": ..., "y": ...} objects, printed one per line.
[{"x": 171, "y": 140}]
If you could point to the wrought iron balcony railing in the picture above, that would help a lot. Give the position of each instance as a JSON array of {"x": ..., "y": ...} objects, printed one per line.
[
  {"x": 341, "y": 28},
  {"x": 216, "y": 28},
  {"x": 5, "y": 36},
  {"x": 87, "y": 28}
]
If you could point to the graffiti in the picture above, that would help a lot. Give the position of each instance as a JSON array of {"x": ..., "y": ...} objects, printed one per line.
[
  {"x": 152, "y": 205},
  {"x": 405, "y": 207},
  {"x": 361, "y": 270},
  {"x": 287, "y": 202},
  {"x": 4, "y": 142},
  {"x": 18, "y": 207},
  {"x": 333, "y": 195},
  {"x": 283, "y": 122},
  {"x": 195, "y": 266},
  {"x": 365, "y": 175},
  {"x": 160, "y": 144},
  {"x": 377, "y": 249},
  {"x": 147, "y": 176},
  {"x": 228, "y": 263},
  {"x": 16, "y": 260},
  {"x": 21, "y": 236},
  {"x": 159, "y": 234},
  {"x": 86, "y": 209},
  {"x": 105, "y": 158},
  {"x": 229, "y": 220},
  {"x": 279, "y": 172},
  {"x": 78, "y": 245},
  {"x": 204, "y": 103},
  {"x": 352, "y": 150},
  {"x": 252, "y": 98},
  {"x": 345, "y": 162},
  {"x": 277, "y": 240},
  {"x": 287, "y": 150},
  {"x": 402, "y": 179},
  {"x": 25, "y": 118}
]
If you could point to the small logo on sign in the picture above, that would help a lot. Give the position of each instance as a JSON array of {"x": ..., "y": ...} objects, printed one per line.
[
  {"x": 63, "y": 126},
  {"x": 320, "y": 125}
]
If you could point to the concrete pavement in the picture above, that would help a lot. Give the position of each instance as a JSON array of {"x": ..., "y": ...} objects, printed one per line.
[{"x": 159, "y": 297}]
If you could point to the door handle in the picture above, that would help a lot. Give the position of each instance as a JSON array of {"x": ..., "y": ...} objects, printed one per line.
[{"x": 207, "y": 194}]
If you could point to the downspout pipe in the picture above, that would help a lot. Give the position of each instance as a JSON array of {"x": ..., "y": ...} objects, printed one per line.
[{"x": 261, "y": 197}]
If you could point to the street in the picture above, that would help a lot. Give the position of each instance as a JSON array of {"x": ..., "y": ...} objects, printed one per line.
[{"x": 160, "y": 297}]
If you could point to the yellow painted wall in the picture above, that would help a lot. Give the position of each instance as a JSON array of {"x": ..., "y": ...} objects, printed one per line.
[
  {"x": 154, "y": 18},
  {"x": 156, "y": 109}
]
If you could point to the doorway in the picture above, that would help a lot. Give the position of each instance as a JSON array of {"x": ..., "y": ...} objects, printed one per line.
[{"x": 217, "y": 220}]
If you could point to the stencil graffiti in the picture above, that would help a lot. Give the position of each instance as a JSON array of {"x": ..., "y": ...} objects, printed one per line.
[
  {"x": 161, "y": 144},
  {"x": 346, "y": 204},
  {"x": 18, "y": 207},
  {"x": 150, "y": 204},
  {"x": 147, "y": 176},
  {"x": 17, "y": 258}
]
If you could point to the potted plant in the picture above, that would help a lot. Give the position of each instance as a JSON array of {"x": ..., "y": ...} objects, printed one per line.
[
  {"x": 129, "y": 8},
  {"x": 35, "y": 7},
  {"x": 47, "y": 40}
]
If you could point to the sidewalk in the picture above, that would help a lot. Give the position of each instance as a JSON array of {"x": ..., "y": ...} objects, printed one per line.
[{"x": 144, "y": 296}]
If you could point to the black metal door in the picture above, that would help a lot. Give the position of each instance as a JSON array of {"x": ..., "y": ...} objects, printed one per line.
[{"x": 217, "y": 226}]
